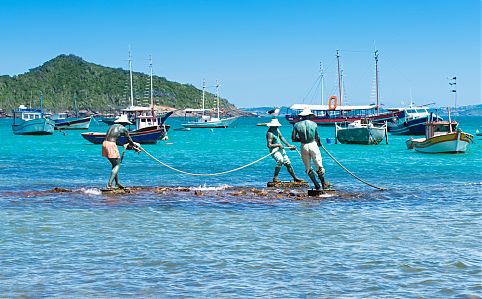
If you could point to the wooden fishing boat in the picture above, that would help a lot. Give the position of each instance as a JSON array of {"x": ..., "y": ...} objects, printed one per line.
[
  {"x": 148, "y": 126},
  {"x": 28, "y": 121},
  {"x": 142, "y": 136},
  {"x": 360, "y": 132},
  {"x": 441, "y": 137},
  {"x": 63, "y": 122}
]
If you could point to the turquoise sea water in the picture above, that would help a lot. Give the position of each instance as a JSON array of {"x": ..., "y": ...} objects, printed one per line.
[{"x": 420, "y": 238}]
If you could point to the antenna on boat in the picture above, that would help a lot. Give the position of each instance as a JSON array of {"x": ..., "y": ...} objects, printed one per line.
[
  {"x": 322, "y": 75},
  {"x": 204, "y": 90},
  {"x": 453, "y": 85},
  {"x": 339, "y": 75},
  {"x": 41, "y": 103},
  {"x": 411, "y": 98},
  {"x": 130, "y": 75},
  {"x": 376, "y": 79},
  {"x": 217, "y": 95}
]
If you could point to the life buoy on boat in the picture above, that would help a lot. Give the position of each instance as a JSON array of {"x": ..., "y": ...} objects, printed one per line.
[{"x": 332, "y": 102}]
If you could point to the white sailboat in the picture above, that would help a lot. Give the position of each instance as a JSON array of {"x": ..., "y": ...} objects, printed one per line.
[{"x": 202, "y": 117}]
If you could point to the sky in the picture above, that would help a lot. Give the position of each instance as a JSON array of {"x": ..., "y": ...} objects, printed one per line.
[{"x": 264, "y": 53}]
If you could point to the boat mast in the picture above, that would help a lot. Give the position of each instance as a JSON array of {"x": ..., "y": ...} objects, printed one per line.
[
  {"x": 376, "y": 79},
  {"x": 130, "y": 75},
  {"x": 339, "y": 75},
  {"x": 321, "y": 82},
  {"x": 204, "y": 88},
  {"x": 41, "y": 103},
  {"x": 75, "y": 106},
  {"x": 217, "y": 95},
  {"x": 152, "y": 90}
]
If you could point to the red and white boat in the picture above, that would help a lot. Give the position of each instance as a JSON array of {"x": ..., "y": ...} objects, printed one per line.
[
  {"x": 336, "y": 112},
  {"x": 326, "y": 115}
]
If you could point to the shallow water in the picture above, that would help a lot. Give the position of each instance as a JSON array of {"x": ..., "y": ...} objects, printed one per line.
[{"x": 420, "y": 238}]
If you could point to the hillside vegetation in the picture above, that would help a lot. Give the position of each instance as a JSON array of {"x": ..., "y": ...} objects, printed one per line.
[{"x": 95, "y": 87}]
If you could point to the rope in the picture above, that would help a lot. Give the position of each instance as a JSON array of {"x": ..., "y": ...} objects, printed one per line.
[
  {"x": 345, "y": 169},
  {"x": 206, "y": 174}
]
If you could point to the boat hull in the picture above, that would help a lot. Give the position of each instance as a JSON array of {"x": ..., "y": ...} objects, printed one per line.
[
  {"x": 39, "y": 126},
  {"x": 222, "y": 123},
  {"x": 108, "y": 120},
  {"x": 331, "y": 121},
  {"x": 411, "y": 127},
  {"x": 456, "y": 142},
  {"x": 82, "y": 123},
  {"x": 144, "y": 136},
  {"x": 366, "y": 135}
]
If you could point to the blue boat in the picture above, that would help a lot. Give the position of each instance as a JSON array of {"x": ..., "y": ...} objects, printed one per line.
[
  {"x": 28, "y": 121},
  {"x": 148, "y": 135},
  {"x": 411, "y": 121}
]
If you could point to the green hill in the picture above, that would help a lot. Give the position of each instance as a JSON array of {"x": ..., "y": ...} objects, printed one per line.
[{"x": 96, "y": 88}]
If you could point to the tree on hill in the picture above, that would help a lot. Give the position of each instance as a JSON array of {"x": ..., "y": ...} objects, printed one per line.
[{"x": 95, "y": 87}]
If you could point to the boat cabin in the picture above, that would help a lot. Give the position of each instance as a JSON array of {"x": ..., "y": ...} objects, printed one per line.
[
  {"x": 142, "y": 117},
  {"x": 59, "y": 116},
  {"x": 325, "y": 111},
  {"x": 326, "y": 115},
  {"x": 27, "y": 114},
  {"x": 438, "y": 128}
]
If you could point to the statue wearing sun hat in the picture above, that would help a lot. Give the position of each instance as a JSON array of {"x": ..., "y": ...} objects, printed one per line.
[
  {"x": 306, "y": 132},
  {"x": 274, "y": 139}
]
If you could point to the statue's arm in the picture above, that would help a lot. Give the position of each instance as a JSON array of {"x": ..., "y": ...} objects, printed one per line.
[
  {"x": 281, "y": 137},
  {"x": 125, "y": 132},
  {"x": 294, "y": 136},
  {"x": 317, "y": 137},
  {"x": 270, "y": 144}
]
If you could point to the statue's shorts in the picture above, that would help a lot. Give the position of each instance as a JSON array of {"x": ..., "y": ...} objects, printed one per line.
[
  {"x": 110, "y": 150},
  {"x": 280, "y": 157},
  {"x": 311, "y": 152}
]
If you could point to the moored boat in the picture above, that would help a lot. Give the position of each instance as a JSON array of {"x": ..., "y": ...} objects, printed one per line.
[
  {"x": 63, "y": 122},
  {"x": 441, "y": 137},
  {"x": 201, "y": 118},
  {"x": 411, "y": 121},
  {"x": 149, "y": 126},
  {"x": 328, "y": 115},
  {"x": 360, "y": 132},
  {"x": 28, "y": 121},
  {"x": 336, "y": 112},
  {"x": 143, "y": 136}
]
